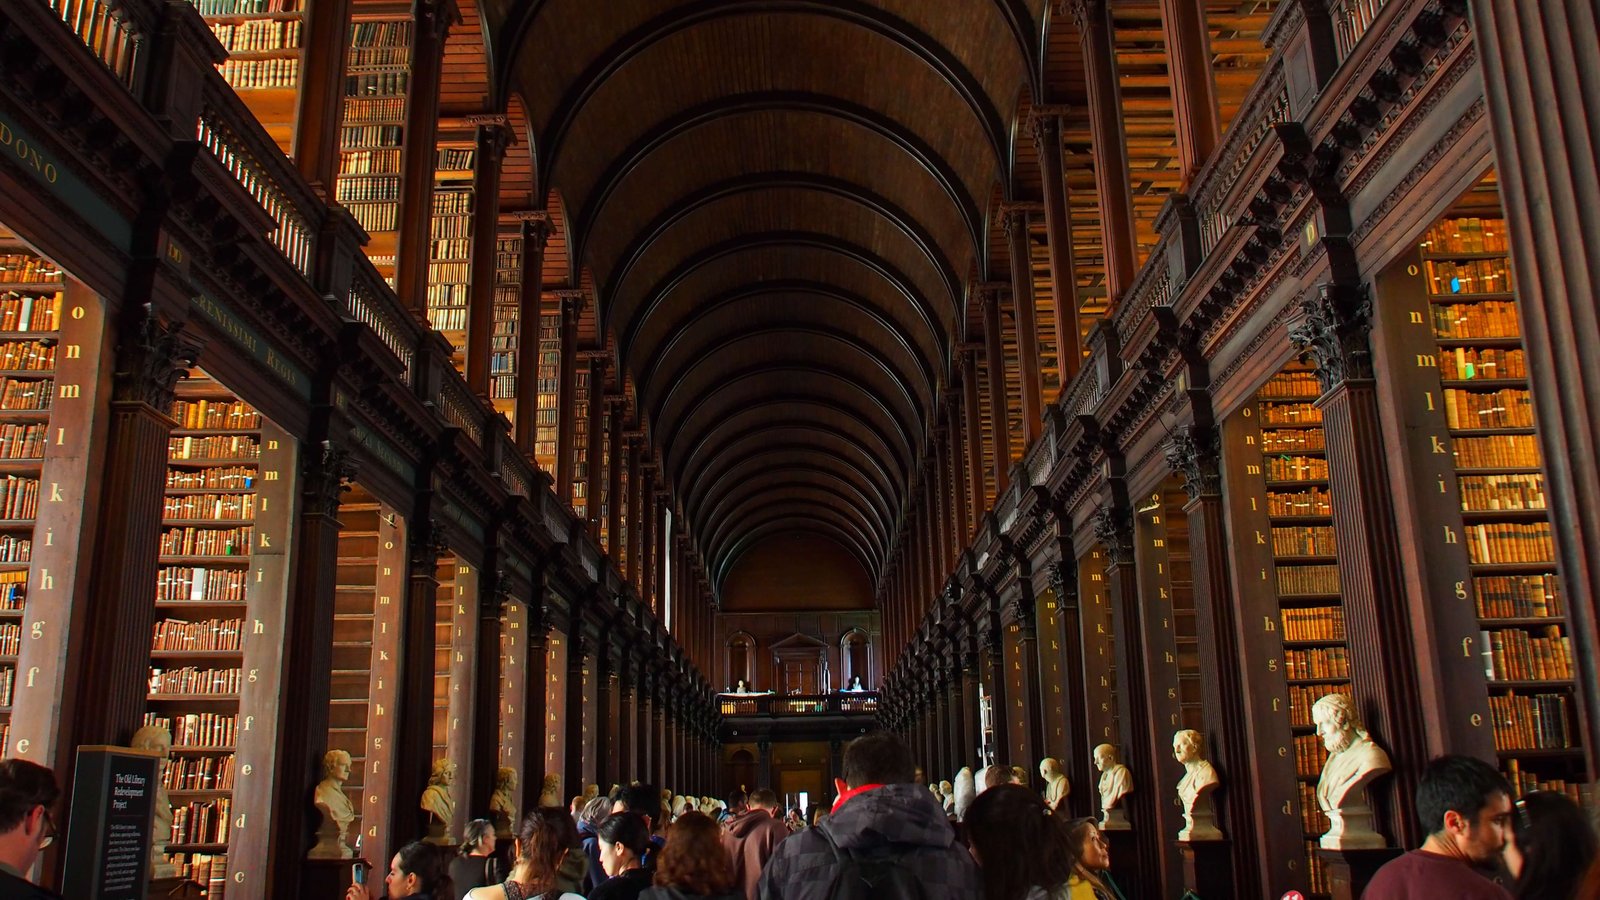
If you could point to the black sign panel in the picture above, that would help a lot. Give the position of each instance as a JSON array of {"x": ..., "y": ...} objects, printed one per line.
[{"x": 108, "y": 843}]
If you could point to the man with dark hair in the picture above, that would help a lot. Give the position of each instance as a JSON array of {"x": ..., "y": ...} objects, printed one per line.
[
  {"x": 1466, "y": 806},
  {"x": 27, "y": 792},
  {"x": 885, "y": 831},
  {"x": 736, "y": 801},
  {"x": 751, "y": 838}
]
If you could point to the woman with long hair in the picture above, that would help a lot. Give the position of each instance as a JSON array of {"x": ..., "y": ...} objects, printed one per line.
[
  {"x": 624, "y": 838},
  {"x": 1028, "y": 852},
  {"x": 1091, "y": 858},
  {"x": 1552, "y": 846},
  {"x": 695, "y": 864},
  {"x": 543, "y": 842},
  {"x": 417, "y": 871}
]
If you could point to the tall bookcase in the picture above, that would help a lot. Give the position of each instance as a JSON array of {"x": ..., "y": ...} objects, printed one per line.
[
  {"x": 1099, "y": 652},
  {"x": 549, "y": 385},
  {"x": 450, "y": 245},
  {"x": 377, "y": 78},
  {"x": 216, "y": 647},
  {"x": 581, "y": 490},
  {"x": 263, "y": 40},
  {"x": 31, "y": 295},
  {"x": 1166, "y": 586},
  {"x": 507, "y": 320}
]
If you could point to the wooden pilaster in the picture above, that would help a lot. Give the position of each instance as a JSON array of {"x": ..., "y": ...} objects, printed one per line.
[
  {"x": 531, "y": 764},
  {"x": 484, "y": 728},
  {"x": 576, "y": 748},
  {"x": 1194, "y": 94},
  {"x": 1543, "y": 119},
  {"x": 566, "y": 406},
  {"x": 535, "y": 234},
  {"x": 595, "y": 464},
  {"x": 615, "y": 451},
  {"x": 493, "y": 135},
  {"x": 432, "y": 19},
  {"x": 326, "y": 46},
  {"x": 972, "y": 438},
  {"x": 999, "y": 405},
  {"x": 1110, "y": 143},
  {"x": 413, "y": 751},
  {"x": 1079, "y": 743},
  {"x": 1025, "y": 312}
]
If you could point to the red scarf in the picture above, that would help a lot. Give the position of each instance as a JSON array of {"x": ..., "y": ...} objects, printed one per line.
[{"x": 845, "y": 793}]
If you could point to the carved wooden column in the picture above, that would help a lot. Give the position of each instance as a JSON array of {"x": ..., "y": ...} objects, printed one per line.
[
  {"x": 1334, "y": 334},
  {"x": 535, "y": 234},
  {"x": 648, "y": 510},
  {"x": 994, "y": 647},
  {"x": 1155, "y": 819},
  {"x": 972, "y": 438},
  {"x": 577, "y": 652},
  {"x": 572, "y": 303},
  {"x": 413, "y": 752},
  {"x": 615, "y": 451},
  {"x": 643, "y": 736},
  {"x": 1193, "y": 453},
  {"x": 494, "y": 134},
  {"x": 956, "y": 457},
  {"x": 302, "y": 713},
  {"x": 1046, "y": 127},
  {"x": 1194, "y": 93},
  {"x": 418, "y": 155},
  {"x": 1076, "y": 762},
  {"x": 661, "y": 548},
  {"x": 627, "y": 740},
  {"x": 109, "y": 698},
  {"x": 605, "y": 716},
  {"x": 487, "y": 668},
  {"x": 1544, "y": 139},
  {"x": 961, "y": 742},
  {"x": 661, "y": 748},
  {"x": 1110, "y": 143},
  {"x": 594, "y": 464},
  {"x": 995, "y": 368},
  {"x": 1025, "y": 311},
  {"x": 536, "y": 717},
  {"x": 326, "y": 44}
]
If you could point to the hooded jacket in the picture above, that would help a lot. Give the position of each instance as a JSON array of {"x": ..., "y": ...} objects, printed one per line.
[
  {"x": 750, "y": 838},
  {"x": 905, "y": 817}
]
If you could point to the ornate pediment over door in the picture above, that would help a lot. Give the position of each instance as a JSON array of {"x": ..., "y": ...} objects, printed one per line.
[{"x": 800, "y": 664}]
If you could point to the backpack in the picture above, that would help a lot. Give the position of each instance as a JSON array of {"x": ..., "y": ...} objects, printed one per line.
[{"x": 879, "y": 875}]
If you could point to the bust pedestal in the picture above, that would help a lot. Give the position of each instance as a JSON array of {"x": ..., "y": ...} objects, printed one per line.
[
  {"x": 1116, "y": 819},
  {"x": 1207, "y": 868},
  {"x": 1350, "y": 870},
  {"x": 331, "y": 877},
  {"x": 1124, "y": 864}
]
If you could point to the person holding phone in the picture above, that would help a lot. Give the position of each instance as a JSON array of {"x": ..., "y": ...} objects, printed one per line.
[{"x": 417, "y": 871}]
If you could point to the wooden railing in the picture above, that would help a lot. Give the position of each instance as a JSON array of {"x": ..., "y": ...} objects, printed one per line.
[
  {"x": 1266, "y": 105},
  {"x": 840, "y": 703},
  {"x": 1351, "y": 19},
  {"x": 371, "y": 302},
  {"x": 115, "y": 31}
]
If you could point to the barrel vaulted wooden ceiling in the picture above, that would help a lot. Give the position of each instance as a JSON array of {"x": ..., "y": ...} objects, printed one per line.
[{"x": 782, "y": 204}]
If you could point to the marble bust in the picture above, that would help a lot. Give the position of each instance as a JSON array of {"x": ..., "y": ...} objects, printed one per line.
[
  {"x": 337, "y": 813},
  {"x": 947, "y": 792},
  {"x": 158, "y": 739},
  {"x": 503, "y": 802},
  {"x": 550, "y": 790},
  {"x": 966, "y": 790},
  {"x": 1195, "y": 788},
  {"x": 1115, "y": 783},
  {"x": 439, "y": 804},
  {"x": 1056, "y": 787},
  {"x": 1354, "y": 761}
]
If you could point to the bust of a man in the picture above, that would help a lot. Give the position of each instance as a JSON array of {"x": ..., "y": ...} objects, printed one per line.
[
  {"x": 947, "y": 792},
  {"x": 158, "y": 739},
  {"x": 1354, "y": 761},
  {"x": 503, "y": 802},
  {"x": 439, "y": 804},
  {"x": 550, "y": 790},
  {"x": 1194, "y": 789},
  {"x": 1115, "y": 783},
  {"x": 337, "y": 813},
  {"x": 1056, "y": 788}
]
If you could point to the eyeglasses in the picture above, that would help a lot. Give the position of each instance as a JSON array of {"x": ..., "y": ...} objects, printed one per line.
[{"x": 49, "y": 831}]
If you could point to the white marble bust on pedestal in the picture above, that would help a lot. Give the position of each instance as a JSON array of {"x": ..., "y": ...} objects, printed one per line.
[
  {"x": 1195, "y": 788},
  {"x": 1115, "y": 783},
  {"x": 337, "y": 813},
  {"x": 1056, "y": 787},
  {"x": 1354, "y": 761}
]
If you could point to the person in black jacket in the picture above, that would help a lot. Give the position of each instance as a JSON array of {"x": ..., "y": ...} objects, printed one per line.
[
  {"x": 27, "y": 791},
  {"x": 476, "y": 865},
  {"x": 624, "y": 839}
]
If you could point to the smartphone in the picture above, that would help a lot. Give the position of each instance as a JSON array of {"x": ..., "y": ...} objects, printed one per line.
[{"x": 358, "y": 873}]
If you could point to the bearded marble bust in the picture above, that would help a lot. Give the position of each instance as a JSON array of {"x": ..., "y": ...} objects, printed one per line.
[{"x": 1354, "y": 761}]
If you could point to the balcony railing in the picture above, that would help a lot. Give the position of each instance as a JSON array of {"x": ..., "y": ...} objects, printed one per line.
[{"x": 840, "y": 703}]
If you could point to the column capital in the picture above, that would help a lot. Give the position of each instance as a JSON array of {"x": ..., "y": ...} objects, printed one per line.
[
  {"x": 151, "y": 360},
  {"x": 573, "y": 300},
  {"x": 494, "y": 135},
  {"x": 536, "y": 229},
  {"x": 434, "y": 17},
  {"x": 326, "y": 473},
  {"x": 1014, "y": 215},
  {"x": 1113, "y": 528},
  {"x": 987, "y": 293},
  {"x": 1193, "y": 453},
  {"x": 1335, "y": 322}
]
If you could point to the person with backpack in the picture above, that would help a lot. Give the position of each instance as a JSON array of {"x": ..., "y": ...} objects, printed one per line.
[{"x": 886, "y": 839}]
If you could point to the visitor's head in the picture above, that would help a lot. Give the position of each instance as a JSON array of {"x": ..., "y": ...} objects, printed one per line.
[
  {"x": 27, "y": 791},
  {"x": 879, "y": 758},
  {"x": 477, "y": 839},
  {"x": 996, "y": 775},
  {"x": 1018, "y": 843},
  {"x": 764, "y": 799},
  {"x": 918, "y": 776},
  {"x": 1552, "y": 845},
  {"x": 1338, "y": 723},
  {"x": 737, "y": 801},
  {"x": 624, "y": 838},
  {"x": 1466, "y": 803},
  {"x": 643, "y": 799},
  {"x": 545, "y": 837},
  {"x": 1086, "y": 846},
  {"x": 695, "y": 860},
  {"x": 595, "y": 811},
  {"x": 418, "y": 870}
]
